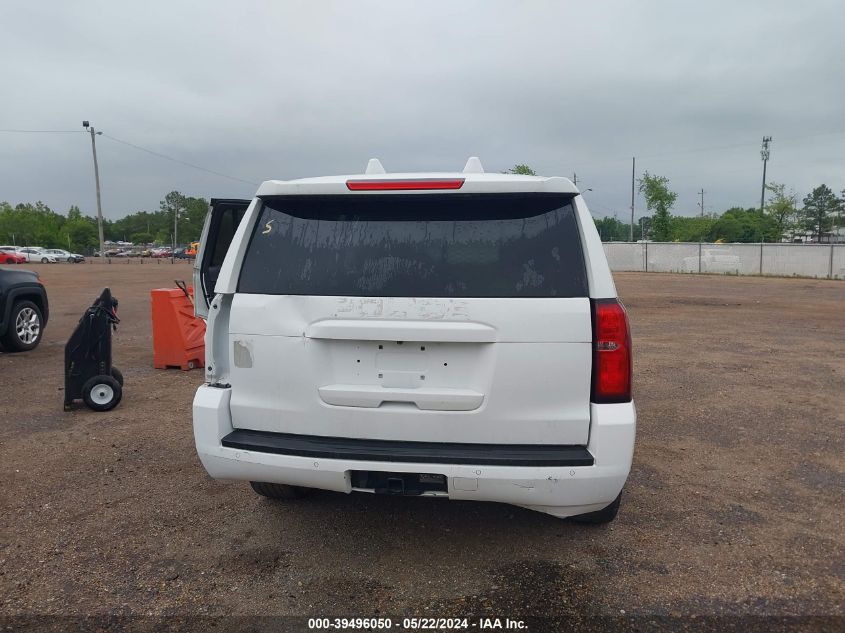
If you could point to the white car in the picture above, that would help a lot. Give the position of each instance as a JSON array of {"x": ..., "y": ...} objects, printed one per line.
[
  {"x": 713, "y": 261},
  {"x": 65, "y": 256},
  {"x": 37, "y": 254},
  {"x": 436, "y": 334}
]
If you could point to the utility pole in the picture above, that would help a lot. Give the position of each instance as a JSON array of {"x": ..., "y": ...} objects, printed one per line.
[
  {"x": 94, "y": 135},
  {"x": 701, "y": 204},
  {"x": 764, "y": 154},
  {"x": 633, "y": 178},
  {"x": 574, "y": 179}
]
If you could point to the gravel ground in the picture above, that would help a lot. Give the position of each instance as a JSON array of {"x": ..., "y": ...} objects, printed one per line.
[{"x": 732, "y": 516}]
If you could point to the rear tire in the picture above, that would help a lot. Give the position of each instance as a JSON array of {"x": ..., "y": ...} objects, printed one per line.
[
  {"x": 605, "y": 515},
  {"x": 26, "y": 327},
  {"x": 279, "y": 491},
  {"x": 117, "y": 375},
  {"x": 102, "y": 393}
]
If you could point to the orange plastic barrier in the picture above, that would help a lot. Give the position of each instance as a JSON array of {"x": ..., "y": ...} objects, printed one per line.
[{"x": 178, "y": 336}]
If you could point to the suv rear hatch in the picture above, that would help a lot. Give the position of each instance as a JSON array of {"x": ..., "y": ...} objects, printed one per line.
[{"x": 444, "y": 317}]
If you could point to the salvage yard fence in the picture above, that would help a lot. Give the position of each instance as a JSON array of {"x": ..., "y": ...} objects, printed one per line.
[
  {"x": 825, "y": 261},
  {"x": 776, "y": 259}
]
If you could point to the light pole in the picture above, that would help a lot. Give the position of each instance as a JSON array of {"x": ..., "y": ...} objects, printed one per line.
[
  {"x": 94, "y": 135},
  {"x": 633, "y": 198},
  {"x": 764, "y": 154}
]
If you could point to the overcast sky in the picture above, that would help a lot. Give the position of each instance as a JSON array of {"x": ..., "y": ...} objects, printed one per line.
[{"x": 261, "y": 90}]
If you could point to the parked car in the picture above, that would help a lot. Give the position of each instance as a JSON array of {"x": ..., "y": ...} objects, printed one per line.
[
  {"x": 10, "y": 255},
  {"x": 160, "y": 252},
  {"x": 37, "y": 254},
  {"x": 453, "y": 335},
  {"x": 713, "y": 261},
  {"x": 23, "y": 310},
  {"x": 65, "y": 256}
]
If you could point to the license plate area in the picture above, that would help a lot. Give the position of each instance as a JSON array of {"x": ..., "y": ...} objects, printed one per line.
[{"x": 407, "y": 484}]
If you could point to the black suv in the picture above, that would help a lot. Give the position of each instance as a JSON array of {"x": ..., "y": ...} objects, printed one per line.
[{"x": 23, "y": 310}]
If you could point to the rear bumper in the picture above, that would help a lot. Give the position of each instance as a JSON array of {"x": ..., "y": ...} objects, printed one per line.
[
  {"x": 554, "y": 489},
  {"x": 415, "y": 452}
]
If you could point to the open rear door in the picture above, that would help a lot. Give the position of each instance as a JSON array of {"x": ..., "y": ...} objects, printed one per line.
[{"x": 224, "y": 215}]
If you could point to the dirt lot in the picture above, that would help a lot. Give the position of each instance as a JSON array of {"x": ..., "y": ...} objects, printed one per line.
[{"x": 734, "y": 506}]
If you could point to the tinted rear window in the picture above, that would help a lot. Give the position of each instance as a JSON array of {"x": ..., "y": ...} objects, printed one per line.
[{"x": 438, "y": 245}]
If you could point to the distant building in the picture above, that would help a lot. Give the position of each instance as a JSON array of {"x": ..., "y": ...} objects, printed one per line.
[{"x": 836, "y": 236}]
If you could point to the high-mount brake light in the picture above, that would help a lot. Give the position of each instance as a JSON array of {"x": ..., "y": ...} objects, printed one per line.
[
  {"x": 404, "y": 185},
  {"x": 612, "y": 362}
]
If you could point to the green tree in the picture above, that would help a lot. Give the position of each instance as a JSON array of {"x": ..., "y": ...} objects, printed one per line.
[
  {"x": 612, "y": 230},
  {"x": 173, "y": 205},
  {"x": 37, "y": 225},
  {"x": 522, "y": 170},
  {"x": 839, "y": 210},
  {"x": 690, "y": 229},
  {"x": 745, "y": 225},
  {"x": 819, "y": 207},
  {"x": 81, "y": 231},
  {"x": 644, "y": 226},
  {"x": 659, "y": 199},
  {"x": 193, "y": 218},
  {"x": 141, "y": 238},
  {"x": 782, "y": 208}
]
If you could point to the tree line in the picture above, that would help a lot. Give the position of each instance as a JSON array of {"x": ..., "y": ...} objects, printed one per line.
[
  {"x": 781, "y": 218},
  {"x": 39, "y": 225}
]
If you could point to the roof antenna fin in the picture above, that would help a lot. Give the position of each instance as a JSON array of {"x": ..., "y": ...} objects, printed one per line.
[
  {"x": 374, "y": 166},
  {"x": 473, "y": 166}
]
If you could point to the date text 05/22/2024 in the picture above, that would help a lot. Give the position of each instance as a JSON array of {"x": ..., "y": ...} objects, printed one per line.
[{"x": 417, "y": 624}]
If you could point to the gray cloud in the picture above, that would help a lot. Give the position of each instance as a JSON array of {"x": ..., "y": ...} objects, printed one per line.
[{"x": 286, "y": 90}]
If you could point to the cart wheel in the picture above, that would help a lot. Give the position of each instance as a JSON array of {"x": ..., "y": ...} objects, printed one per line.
[
  {"x": 101, "y": 393},
  {"x": 117, "y": 375}
]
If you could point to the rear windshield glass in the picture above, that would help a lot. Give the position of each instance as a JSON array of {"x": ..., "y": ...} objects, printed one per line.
[{"x": 437, "y": 245}]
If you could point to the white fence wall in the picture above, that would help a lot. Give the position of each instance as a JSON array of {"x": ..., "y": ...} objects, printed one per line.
[{"x": 801, "y": 260}]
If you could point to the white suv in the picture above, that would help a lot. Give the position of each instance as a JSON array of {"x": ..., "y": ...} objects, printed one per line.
[{"x": 451, "y": 335}]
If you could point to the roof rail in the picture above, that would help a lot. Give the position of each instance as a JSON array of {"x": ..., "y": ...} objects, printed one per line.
[
  {"x": 374, "y": 166},
  {"x": 473, "y": 166}
]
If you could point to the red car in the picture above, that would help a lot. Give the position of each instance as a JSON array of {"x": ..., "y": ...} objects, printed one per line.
[{"x": 11, "y": 257}]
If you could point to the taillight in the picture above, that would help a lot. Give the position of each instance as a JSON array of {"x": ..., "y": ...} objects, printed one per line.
[
  {"x": 612, "y": 363},
  {"x": 404, "y": 185}
]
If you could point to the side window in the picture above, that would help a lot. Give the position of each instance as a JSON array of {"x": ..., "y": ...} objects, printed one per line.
[
  {"x": 225, "y": 217},
  {"x": 229, "y": 221}
]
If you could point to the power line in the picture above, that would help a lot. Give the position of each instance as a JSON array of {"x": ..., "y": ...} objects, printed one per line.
[
  {"x": 711, "y": 148},
  {"x": 177, "y": 160},
  {"x": 138, "y": 147},
  {"x": 43, "y": 131}
]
